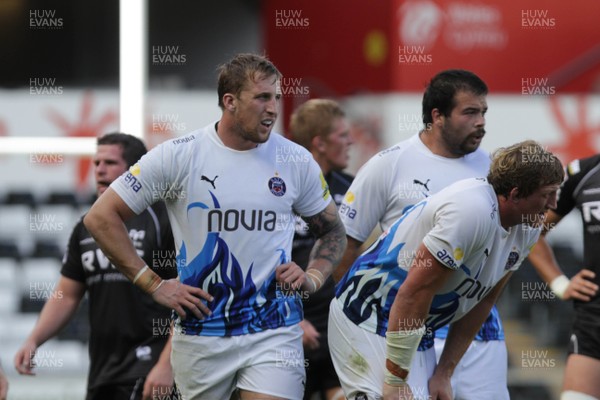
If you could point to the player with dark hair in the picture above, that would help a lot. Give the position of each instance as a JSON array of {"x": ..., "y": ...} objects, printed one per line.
[
  {"x": 443, "y": 93},
  {"x": 131, "y": 147},
  {"x": 129, "y": 358},
  {"x": 446, "y": 150}
]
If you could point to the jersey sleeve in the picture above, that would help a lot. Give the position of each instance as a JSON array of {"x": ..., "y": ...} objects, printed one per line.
[
  {"x": 461, "y": 226},
  {"x": 150, "y": 179},
  {"x": 314, "y": 191},
  {"x": 365, "y": 202},
  {"x": 71, "y": 263}
]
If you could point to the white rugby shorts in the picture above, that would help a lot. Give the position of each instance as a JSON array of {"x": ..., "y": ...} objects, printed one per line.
[
  {"x": 481, "y": 372},
  {"x": 359, "y": 359},
  {"x": 269, "y": 362}
]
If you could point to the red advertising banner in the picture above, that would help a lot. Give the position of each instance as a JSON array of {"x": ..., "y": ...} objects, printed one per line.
[
  {"x": 527, "y": 47},
  {"x": 330, "y": 48}
]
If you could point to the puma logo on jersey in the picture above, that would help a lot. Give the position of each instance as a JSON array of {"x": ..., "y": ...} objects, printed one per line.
[
  {"x": 211, "y": 181},
  {"x": 418, "y": 182}
]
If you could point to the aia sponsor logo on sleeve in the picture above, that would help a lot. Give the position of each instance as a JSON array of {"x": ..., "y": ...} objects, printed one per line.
[{"x": 132, "y": 182}]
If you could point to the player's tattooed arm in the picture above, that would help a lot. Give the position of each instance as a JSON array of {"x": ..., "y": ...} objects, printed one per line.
[{"x": 331, "y": 240}]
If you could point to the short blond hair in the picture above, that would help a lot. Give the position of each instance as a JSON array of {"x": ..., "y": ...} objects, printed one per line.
[
  {"x": 314, "y": 118},
  {"x": 526, "y": 166}
]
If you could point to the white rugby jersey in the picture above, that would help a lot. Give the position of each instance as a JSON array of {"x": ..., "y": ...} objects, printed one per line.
[
  {"x": 399, "y": 177},
  {"x": 460, "y": 227},
  {"x": 232, "y": 216}
]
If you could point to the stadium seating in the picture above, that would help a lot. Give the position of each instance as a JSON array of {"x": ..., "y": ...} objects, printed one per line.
[
  {"x": 25, "y": 198},
  {"x": 34, "y": 232}
]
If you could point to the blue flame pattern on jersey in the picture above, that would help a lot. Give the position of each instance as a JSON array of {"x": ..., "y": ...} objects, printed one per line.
[
  {"x": 238, "y": 307},
  {"x": 443, "y": 307},
  {"x": 359, "y": 302},
  {"x": 372, "y": 276},
  {"x": 491, "y": 328},
  {"x": 373, "y": 281}
]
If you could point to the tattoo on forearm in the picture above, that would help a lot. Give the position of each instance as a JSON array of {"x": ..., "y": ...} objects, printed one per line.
[{"x": 330, "y": 233}]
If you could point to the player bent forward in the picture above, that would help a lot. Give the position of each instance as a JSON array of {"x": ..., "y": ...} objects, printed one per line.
[{"x": 445, "y": 261}]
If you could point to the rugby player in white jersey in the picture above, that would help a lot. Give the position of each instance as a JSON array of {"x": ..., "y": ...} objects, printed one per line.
[
  {"x": 230, "y": 198},
  {"x": 444, "y": 261},
  {"x": 446, "y": 150}
]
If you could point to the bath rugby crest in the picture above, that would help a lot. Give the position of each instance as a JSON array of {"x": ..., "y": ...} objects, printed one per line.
[{"x": 277, "y": 186}]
